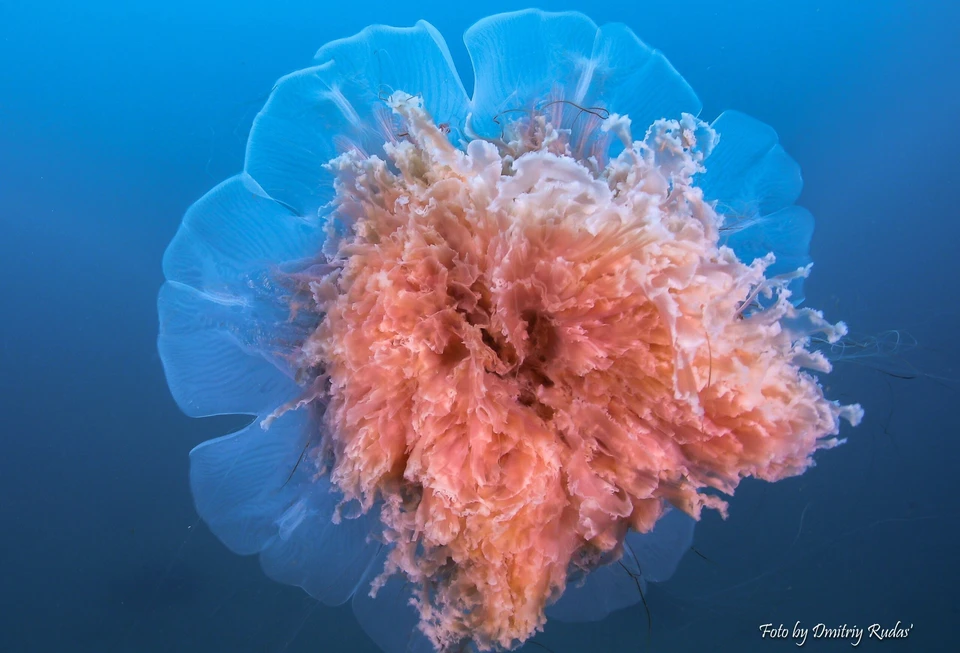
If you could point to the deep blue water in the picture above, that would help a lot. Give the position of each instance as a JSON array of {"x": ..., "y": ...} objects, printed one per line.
[{"x": 114, "y": 117}]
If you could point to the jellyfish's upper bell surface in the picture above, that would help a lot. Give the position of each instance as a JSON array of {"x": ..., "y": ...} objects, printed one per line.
[{"x": 494, "y": 344}]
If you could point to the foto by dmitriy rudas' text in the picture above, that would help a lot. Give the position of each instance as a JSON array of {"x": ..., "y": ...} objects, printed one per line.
[{"x": 855, "y": 634}]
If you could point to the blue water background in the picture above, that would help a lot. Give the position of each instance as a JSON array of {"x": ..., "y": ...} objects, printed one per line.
[{"x": 115, "y": 116}]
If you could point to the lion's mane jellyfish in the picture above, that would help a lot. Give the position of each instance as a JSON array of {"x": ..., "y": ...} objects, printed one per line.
[{"x": 502, "y": 350}]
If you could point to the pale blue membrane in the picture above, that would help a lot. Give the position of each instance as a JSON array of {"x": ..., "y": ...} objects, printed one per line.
[
  {"x": 755, "y": 183},
  {"x": 652, "y": 557},
  {"x": 226, "y": 341},
  {"x": 224, "y": 324},
  {"x": 257, "y": 496},
  {"x": 316, "y": 113},
  {"x": 389, "y": 619},
  {"x": 525, "y": 59}
]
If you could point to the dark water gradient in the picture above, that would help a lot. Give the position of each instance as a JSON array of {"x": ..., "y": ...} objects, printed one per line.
[{"x": 115, "y": 116}]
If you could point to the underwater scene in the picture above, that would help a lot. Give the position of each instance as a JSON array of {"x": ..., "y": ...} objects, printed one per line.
[{"x": 434, "y": 328}]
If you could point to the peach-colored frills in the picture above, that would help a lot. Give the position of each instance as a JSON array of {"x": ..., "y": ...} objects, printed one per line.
[{"x": 528, "y": 354}]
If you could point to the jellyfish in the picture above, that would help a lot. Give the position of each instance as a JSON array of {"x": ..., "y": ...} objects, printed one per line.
[{"x": 500, "y": 350}]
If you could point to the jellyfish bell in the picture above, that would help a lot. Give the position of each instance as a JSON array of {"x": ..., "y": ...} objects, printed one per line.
[{"x": 500, "y": 350}]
